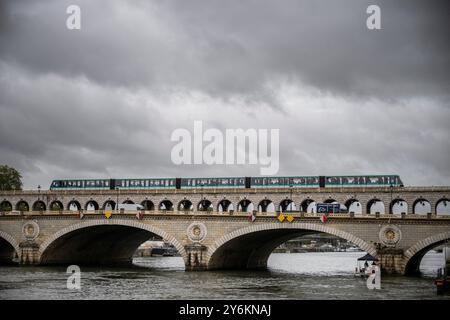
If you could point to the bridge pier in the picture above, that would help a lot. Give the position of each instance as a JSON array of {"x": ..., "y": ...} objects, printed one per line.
[
  {"x": 391, "y": 260},
  {"x": 29, "y": 254},
  {"x": 196, "y": 257}
]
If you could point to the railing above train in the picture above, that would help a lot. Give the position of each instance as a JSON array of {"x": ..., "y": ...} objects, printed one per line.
[{"x": 229, "y": 182}]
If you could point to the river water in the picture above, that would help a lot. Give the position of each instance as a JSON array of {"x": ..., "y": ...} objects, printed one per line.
[{"x": 289, "y": 276}]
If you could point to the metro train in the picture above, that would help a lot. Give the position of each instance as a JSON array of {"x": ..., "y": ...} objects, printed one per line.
[{"x": 233, "y": 182}]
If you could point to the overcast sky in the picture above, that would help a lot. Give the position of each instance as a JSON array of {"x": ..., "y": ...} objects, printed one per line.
[{"x": 102, "y": 101}]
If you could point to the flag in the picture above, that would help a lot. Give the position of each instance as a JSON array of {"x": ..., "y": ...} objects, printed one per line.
[
  {"x": 140, "y": 215},
  {"x": 323, "y": 218},
  {"x": 80, "y": 215},
  {"x": 108, "y": 214},
  {"x": 290, "y": 218},
  {"x": 281, "y": 217},
  {"x": 251, "y": 216}
]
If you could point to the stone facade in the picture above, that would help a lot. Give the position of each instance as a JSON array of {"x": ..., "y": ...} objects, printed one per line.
[{"x": 212, "y": 241}]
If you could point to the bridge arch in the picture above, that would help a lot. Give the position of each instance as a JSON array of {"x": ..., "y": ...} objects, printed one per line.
[
  {"x": 224, "y": 205},
  {"x": 443, "y": 206},
  {"x": 39, "y": 206},
  {"x": 5, "y": 205},
  {"x": 414, "y": 255},
  {"x": 205, "y": 205},
  {"x": 245, "y": 205},
  {"x": 250, "y": 247},
  {"x": 165, "y": 205},
  {"x": 376, "y": 205},
  {"x": 22, "y": 205},
  {"x": 131, "y": 234},
  {"x": 148, "y": 205},
  {"x": 287, "y": 205},
  {"x": 74, "y": 205},
  {"x": 91, "y": 205},
  {"x": 353, "y": 205},
  {"x": 56, "y": 205},
  {"x": 266, "y": 205},
  {"x": 8, "y": 248},
  {"x": 185, "y": 205},
  {"x": 398, "y": 206},
  {"x": 421, "y": 206},
  {"x": 109, "y": 205},
  {"x": 308, "y": 205}
]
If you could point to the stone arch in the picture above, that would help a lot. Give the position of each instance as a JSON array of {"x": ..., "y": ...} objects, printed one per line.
[
  {"x": 243, "y": 205},
  {"x": 109, "y": 205},
  {"x": 22, "y": 205},
  {"x": 353, "y": 205},
  {"x": 372, "y": 202},
  {"x": 113, "y": 222},
  {"x": 445, "y": 205},
  {"x": 287, "y": 205},
  {"x": 265, "y": 205},
  {"x": 398, "y": 203},
  {"x": 148, "y": 205},
  {"x": 91, "y": 204},
  {"x": 185, "y": 205},
  {"x": 5, "y": 205},
  {"x": 8, "y": 241},
  {"x": 165, "y": 205},
  {"x": 128, "y": 201},
  {"x": 305, "y": 204},
  {"x": 414, "y": 255},
  {"x": 421, "y": 202},
  {"x": 39, "y": 205},
  {"x": 56, "y": 205},
  {"x": 205, "y": 205},
  {"x": 216, "y": 252},
  {"x": 224, "y": 205},
  {"x": 74, "y": 203}
]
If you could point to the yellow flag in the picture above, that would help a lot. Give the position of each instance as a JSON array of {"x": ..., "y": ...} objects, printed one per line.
[
  {"x": 281, "y": 217},
  {"x": 290, "y": 218},
  {"x": 108, "y": 214}
]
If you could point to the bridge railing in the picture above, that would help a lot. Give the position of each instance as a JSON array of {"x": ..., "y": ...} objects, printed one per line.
[{"x": 295, "y": 214}]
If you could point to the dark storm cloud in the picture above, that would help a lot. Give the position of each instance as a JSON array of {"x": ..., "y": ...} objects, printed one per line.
[
  {"x": 103, "y": 101},
  {"x": 226, "y": 47}
]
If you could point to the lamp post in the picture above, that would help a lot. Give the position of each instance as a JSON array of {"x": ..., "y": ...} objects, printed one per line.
[
  {"x": 390, "y": 204},
  {"x": 201, "y": 198},
  {"x": 290, "y": 190},
  {"x": 117, "y": 199}
]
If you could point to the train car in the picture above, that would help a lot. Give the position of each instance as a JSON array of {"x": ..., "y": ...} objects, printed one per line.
[
  {"x": 80, "y": 184},
  {"x": 230, "y": 182},
  {"x": 284, "y": 182},
  {"x": 153, "y": 183},
  {"x": 233, "y": 182}
]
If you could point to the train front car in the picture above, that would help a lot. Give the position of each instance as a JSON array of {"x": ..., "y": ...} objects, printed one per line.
[{"x": 80, "y": 184}]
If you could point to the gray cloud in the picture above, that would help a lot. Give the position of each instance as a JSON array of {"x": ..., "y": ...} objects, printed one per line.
[{"x": 104, "y": 100}]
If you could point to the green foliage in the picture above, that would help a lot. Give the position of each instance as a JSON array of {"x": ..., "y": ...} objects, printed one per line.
[{"x": 10, "y": 178}]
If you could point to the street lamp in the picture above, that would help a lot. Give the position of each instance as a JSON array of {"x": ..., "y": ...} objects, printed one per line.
[
  {"x": 290, "y": 190},
  {"x": 117, "y": 199},
  {"x": 201, "y": 198}
]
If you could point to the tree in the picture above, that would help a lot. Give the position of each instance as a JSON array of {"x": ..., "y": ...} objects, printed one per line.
[{"x": 10, "y": 178}]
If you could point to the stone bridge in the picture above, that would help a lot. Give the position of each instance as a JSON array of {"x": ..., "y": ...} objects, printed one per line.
[{"x": 209, "y": 235}]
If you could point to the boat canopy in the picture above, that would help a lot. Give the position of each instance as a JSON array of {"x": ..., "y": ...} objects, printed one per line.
[{"x": 367, "y": 257}]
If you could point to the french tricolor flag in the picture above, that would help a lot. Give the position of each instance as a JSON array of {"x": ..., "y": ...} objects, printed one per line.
[{"x": 323, "y": 218}]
